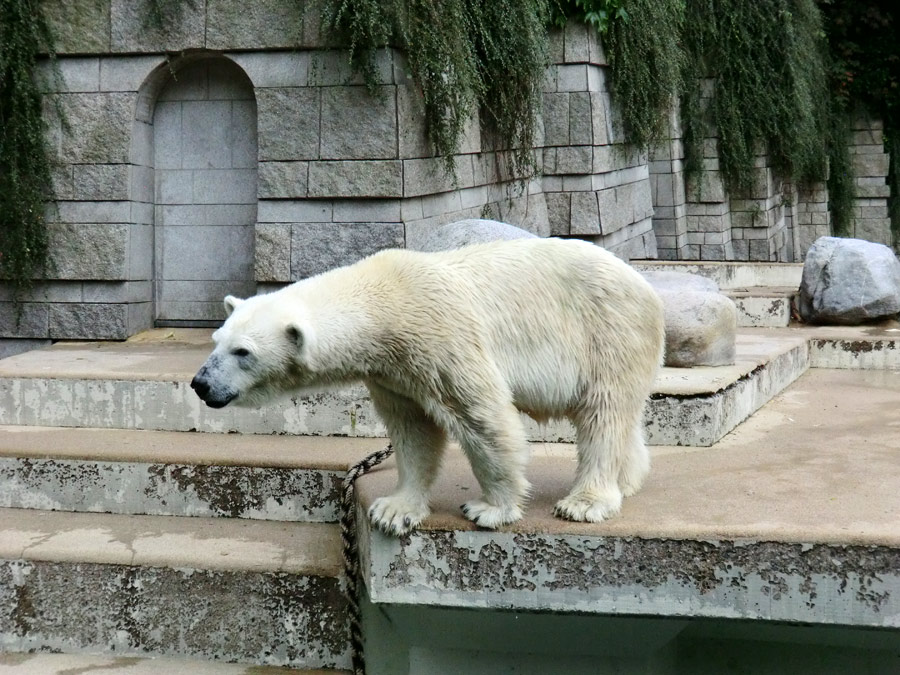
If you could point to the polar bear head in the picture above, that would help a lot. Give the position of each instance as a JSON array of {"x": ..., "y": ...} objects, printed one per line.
[{"x": 259, "y": 354}]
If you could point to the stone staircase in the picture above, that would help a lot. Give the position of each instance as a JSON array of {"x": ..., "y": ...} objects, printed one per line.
[
  {"x": 764, "y": 293},
  {"x": 171, "y": 551},
  {"x": 139, "y": 528}
]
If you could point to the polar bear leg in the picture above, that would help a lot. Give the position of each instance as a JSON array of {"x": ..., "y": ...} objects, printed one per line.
[
  {"x": 418, "y": 445},
  {"x": 605, "y": 448},
  {"x": 635, "y": 464},
  {"x": 493, "y": 438}
]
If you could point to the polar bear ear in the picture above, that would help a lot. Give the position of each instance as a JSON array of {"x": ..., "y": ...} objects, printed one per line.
[
  {"x": 231, "y": 303},
  {"x": 295, "y": 334}
]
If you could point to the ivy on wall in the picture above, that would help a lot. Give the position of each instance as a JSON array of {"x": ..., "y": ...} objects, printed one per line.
[
  {"x": 776, "y": 84},
  {"x": 766, "y": 65},
  {"x": 464, "y": 55},
  {"x": 25, "y": 167},
  {"x": 864, "y": 36}
]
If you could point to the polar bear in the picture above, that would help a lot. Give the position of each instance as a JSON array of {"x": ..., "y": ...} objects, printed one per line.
[{"x": 455, "y": 344}]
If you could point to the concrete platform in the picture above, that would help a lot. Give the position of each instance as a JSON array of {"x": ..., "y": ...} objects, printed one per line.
[
  {"x": 233, "y": 590},
  {"x": 794, "y": 516},
  {"x": 287, "y": 478},
  {"x": 86, "y": 664}
]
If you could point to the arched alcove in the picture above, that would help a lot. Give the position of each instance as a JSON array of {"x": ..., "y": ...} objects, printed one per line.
[{"x": 197, "y": 118}]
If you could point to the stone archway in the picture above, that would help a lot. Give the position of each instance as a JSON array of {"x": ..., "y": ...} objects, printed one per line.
[{"x": 205, "y": 192}]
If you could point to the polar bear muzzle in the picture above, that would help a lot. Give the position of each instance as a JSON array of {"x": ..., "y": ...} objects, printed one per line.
[{"x": 212, "y": 394}]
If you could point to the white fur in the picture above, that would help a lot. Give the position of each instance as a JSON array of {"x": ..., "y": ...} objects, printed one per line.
[{"x": 455, "y": 344}]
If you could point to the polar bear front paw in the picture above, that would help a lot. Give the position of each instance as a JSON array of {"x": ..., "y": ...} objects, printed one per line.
[
  {"x": 397, "y": 514},
  {"x": 590, "y": 507},
  {"x": 486, "y": 515}
]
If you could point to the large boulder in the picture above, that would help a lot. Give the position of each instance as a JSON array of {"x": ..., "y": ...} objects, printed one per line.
[
  {"x": 849, "y": 281},
  {"x": 462, "y": 233},
  {"x": 701, "y": 323}
]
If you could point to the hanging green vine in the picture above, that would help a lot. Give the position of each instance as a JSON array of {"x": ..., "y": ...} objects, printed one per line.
[
  {"x": 646, "y": 63},
  {"x": 463, "y": 54},
  {"x": 766, "y": 64},
  {"x": 864, "y": 39},
  {"x": 25, "y": 168}
]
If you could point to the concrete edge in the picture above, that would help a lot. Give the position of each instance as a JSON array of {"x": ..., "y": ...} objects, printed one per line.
[{"x": 738, "y": 579}]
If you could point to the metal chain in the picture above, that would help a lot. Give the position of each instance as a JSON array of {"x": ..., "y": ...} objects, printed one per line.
[{"x": 351, "y": 552}]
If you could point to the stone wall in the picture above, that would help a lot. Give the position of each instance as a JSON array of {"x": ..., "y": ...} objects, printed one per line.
[
  {"x": 809, "y": 215},
  {"x": 870, "y": 167},
  {"x": 596, "y": 187},
  {"x": 235, "y": 151},
  {"x": 669, "y": 194}
]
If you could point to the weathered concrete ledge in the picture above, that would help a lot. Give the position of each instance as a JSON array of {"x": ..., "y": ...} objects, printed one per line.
[
  {"x": 793, "y": 517},
  {"x": 266, "y": 593},
  {"x": 868, "y": 347},
  {"x": 763, "y": 307},
  {"x": 683, "y": 413},
  {"x": 287, "y": 478}
]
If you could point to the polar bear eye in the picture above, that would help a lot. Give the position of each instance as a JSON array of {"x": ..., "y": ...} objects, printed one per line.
[{"x": 240, "y": 352}]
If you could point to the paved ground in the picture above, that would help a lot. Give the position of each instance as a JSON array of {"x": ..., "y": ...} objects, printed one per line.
[{"x": 819, "y": 464}]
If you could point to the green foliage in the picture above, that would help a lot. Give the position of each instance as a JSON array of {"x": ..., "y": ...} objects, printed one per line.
[
  {"x": 463, "y": 54},
  {"x": 767, "y": 61},
  {"x": 646, "y": 62},
  {"x": 25, "y": 169},
  {"x": 596, "y": 13},
  {"x": 841, "y": 181},
  {"x": 642, "y": 39},
  {"x": 865, "y": 44}
]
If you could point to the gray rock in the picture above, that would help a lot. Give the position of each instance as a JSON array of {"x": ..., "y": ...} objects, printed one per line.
[
  {"x": 665, "y": 280},
  {"x": 25, "y": 320},
  {"x": 849, "y": 281},
  {"x": 133, "y": 30},
  {"x": 79, "y": 27},
  {"x": 700, "y": 328},
  {"x": 462, "y": 233}
]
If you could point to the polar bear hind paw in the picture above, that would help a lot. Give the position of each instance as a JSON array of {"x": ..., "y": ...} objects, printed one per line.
[
  {"x": 588, "y": 507},
  {"x": 397, "y": 515},
  {"x": 487, "y": 515}
]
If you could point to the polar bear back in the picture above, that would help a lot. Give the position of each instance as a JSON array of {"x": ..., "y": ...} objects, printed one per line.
[{"x": 549, "y": 314}]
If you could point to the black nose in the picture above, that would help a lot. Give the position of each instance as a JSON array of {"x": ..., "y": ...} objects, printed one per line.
[{"x": 200, "y": 387}]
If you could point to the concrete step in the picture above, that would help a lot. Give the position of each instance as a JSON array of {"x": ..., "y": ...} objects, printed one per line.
[
  {"x": 763, "y": 306},
  {"x": 287, "y": 478},
  {"x": 262, "y": 593},
  {"x": 794, "y": 516},
  {"x": 96, "y": 664},
  {"x": 144, "y": 384},
  {"x": 732, "y": 275}
]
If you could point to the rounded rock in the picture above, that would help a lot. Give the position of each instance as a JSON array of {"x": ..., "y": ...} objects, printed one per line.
[
  {"x": 849, "y": 281},
  {"x": 700, "y": 328}
]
